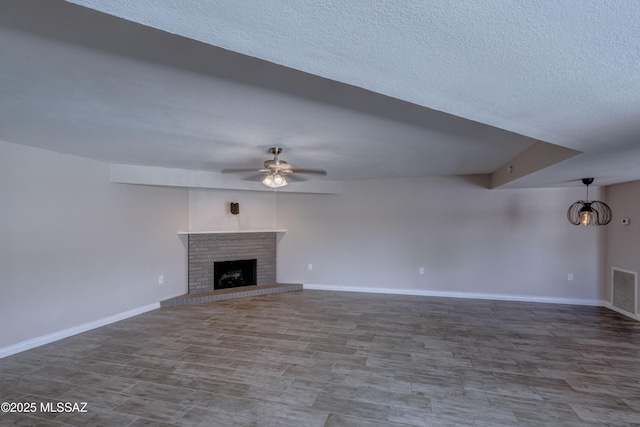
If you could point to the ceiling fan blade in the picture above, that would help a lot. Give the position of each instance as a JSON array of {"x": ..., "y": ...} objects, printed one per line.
[
  {"x": 237, "y": 170},
  {"x": 254, "y": 177},
  {"x": 321, "y": 172},
  {"x": 295, "y": 178}
]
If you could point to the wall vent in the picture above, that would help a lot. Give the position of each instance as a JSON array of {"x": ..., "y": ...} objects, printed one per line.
[{"x": 624, "y": 290}]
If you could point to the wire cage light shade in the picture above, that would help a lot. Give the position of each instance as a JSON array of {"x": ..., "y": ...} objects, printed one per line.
[
  {"x": 589, "y": 213},
  {"x": 585, "y": 212}
]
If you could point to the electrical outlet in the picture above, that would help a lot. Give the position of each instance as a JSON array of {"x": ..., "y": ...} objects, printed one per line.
[
  {"x": 421, "y": 270},
  {"x": 160, "y": 279},
  {"x": 570, "y": 277},
  {"x": 310, "y": 267}
]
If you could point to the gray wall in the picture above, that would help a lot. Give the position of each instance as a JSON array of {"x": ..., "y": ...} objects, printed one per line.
[
  {"x": 470, "y": 240},
  {"x": 623, "y": 242},
  {"x": 377, "y": 234},
  {"x": 209, "y": 210},
  {"x": 75, "y": 248}
]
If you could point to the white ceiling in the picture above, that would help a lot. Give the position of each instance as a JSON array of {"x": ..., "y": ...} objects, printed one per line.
[{"x": 361, "y": 89}]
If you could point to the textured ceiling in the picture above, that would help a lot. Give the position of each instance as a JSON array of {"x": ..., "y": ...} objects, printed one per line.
[{"x": 361, "y": 87}]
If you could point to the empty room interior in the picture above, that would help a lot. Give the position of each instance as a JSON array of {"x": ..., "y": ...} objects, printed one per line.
[{"x": 309, "y": 213}]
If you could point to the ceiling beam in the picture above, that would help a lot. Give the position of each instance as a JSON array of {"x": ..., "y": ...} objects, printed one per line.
[{"x": 538, "y": 156}]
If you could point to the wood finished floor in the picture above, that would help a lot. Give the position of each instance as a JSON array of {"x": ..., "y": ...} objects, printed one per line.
[{"x": 317, "y": 358}]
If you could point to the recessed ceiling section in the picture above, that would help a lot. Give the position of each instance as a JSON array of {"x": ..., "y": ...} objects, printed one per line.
[
  {"x": 85, "y": 83},
  {"x": 560, "y": 72},
  {"x": 539, "y": 156},
  {"x": 555, "y": 71}
]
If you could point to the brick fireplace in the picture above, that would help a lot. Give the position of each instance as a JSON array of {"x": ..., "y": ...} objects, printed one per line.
[{"x": 207, "y": 248}]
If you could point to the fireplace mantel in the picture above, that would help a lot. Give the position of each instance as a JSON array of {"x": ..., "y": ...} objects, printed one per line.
[{"x": 229, "y": 231}]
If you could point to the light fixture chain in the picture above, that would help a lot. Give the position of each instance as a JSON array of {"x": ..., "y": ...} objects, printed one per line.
[{"x": 587, "y": 193}]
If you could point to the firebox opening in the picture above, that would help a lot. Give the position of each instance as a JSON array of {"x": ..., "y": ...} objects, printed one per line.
[{"x": 233, "y": 274}]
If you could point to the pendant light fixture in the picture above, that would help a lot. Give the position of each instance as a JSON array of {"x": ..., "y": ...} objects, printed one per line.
[{"x": 584, "y": 212}]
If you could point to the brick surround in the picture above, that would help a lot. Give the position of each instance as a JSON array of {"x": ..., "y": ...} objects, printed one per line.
[{"x": 205, "y": 249}]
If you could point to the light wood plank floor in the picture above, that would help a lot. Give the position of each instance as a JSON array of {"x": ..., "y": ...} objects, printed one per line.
[{"x": 315, "y": 358}]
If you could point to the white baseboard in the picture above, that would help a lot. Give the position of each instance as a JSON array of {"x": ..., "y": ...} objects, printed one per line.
[
  {"x": 429, "y": 293},
  {"x": 46, "y": 339},
  {"x": 616, "y": 309}
]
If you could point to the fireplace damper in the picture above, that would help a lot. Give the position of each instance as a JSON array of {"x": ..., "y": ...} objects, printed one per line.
[{"x": 233, "y": 274}]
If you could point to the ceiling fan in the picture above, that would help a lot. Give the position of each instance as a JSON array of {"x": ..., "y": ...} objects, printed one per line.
[{"x": 276, "y": 172}]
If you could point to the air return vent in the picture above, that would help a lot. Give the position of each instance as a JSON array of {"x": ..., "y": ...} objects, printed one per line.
[{"x": 624, "y": 291}]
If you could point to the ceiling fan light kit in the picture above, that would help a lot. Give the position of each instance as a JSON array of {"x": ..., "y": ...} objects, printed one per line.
[
  {"x": 275, "y": 180},
  {"x": 584, "y": 212},
  {"x": 277, "y": 170}
]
